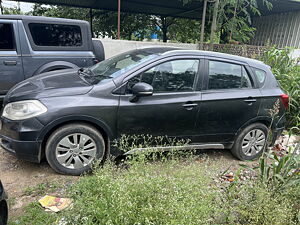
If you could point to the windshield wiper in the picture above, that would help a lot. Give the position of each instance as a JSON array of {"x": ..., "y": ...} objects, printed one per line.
[{"x": 86, "y": 72}]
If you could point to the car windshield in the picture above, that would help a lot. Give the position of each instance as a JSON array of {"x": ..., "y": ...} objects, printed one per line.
[{"x": 118, "y": 65}]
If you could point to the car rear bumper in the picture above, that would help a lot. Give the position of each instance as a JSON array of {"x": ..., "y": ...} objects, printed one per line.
[
  {"x": 21, "y": 138},
  {"x": 278, "y": 129}
]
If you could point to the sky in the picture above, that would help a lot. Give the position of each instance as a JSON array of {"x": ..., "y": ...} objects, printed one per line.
[{"x": 25, "y": 7}]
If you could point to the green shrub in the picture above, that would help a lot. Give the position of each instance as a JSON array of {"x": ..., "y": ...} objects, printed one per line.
[
  {"x": 253, "y": 203},
  {"x": 287, "y": 72},
  {"x": 170, "y": 188},
  {"x": 159, "y": 193}
]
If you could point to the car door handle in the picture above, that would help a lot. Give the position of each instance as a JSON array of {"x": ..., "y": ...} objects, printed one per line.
[
  {"x": 250, "y": 100},
  {"x": 189, "y": 105},
  {"x": 10, "y": 63}
]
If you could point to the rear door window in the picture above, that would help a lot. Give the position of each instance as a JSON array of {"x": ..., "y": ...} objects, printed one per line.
[
  {"x": 7, "y": 42},
  {"x": 55, "y": 34},
  {"x": 223, "y": 75}
]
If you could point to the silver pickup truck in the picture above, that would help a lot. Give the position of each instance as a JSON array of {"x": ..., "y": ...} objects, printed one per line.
[{"x": 31, "y": 45}]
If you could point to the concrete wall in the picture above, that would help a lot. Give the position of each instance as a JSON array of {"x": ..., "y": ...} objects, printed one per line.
[{"x": 114, "y": 47}]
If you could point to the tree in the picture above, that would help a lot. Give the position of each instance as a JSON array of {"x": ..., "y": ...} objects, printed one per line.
[
  {"x": 184, "y": 30},
  {"x": 235, "y": 19},
  {"x": 133, "y": 26}
]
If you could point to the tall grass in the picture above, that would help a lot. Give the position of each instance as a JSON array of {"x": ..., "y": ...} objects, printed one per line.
[
  {"x": 287, "y": 71},
  {"x": 175, "y": 188}
]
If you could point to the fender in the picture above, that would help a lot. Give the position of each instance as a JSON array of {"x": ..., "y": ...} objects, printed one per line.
[
  {"x": 82, "y": 118},
  {"x": 266, "y": 119},
  {"x": 56, "y": 65}
]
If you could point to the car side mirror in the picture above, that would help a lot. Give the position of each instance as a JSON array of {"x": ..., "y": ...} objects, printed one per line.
[{"x": 141, "y": 89}]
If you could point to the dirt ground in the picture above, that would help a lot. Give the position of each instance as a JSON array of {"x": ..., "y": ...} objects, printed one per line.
[{"x": 19, "y": 176}]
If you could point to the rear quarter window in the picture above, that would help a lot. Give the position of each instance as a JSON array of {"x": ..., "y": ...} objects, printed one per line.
[
  {"x": 260, "y": 75},
  {"x": 56, "y": 34}
]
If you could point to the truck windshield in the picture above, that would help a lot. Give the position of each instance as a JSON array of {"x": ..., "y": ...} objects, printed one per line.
[{"x": 118, "y": 65}]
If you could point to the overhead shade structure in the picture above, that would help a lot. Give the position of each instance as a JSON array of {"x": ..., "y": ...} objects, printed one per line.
[
  {"x": 174, "y": 8},
  {"x": 191, "y": 9}
]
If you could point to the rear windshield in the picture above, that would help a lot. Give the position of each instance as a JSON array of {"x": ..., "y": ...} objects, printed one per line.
[{"x": 55, "y": 34}]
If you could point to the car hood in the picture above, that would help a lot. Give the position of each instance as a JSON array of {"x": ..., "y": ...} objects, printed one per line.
[{"x": 50, "y": 84}]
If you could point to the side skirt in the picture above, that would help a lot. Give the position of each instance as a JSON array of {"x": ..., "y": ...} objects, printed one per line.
[{"x": 185, "y": 147}]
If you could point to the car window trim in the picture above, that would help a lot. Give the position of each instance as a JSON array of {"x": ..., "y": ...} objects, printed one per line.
[{"x": 155, "y": 63}]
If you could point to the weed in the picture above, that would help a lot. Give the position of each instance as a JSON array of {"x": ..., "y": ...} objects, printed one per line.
[{"x": 41, "y": 189}]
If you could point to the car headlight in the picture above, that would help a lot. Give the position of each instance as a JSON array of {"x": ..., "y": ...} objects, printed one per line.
[{"x": 23, "y": 109}]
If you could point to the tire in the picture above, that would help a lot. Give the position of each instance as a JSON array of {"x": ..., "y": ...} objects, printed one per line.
[
  {"x": 73, "y": 148},
  {"x": 98, "y": 50},
  {"x": 3, "y": 212},
  {"x": 250, "y": 143}
]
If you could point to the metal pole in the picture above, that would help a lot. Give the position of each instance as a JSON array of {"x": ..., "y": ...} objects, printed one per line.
[
  {"x": 203, "y": 25},
  {"x": 119, "y": 19},
  {"x": 91, "y": 21}
]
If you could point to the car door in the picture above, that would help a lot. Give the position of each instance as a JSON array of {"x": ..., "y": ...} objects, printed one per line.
[
  {"x": 173, "y": 107},
  {"x": 230, "y": 98},
  {"x": 11, "y": 69}
]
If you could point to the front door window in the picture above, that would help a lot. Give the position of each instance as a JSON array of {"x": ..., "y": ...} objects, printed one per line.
[{"x": 171, "y": 76}]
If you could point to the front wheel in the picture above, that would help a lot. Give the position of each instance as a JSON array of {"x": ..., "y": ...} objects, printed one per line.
[
  {"x": 73, "y": 148},
  {"x": 250, "y": 142}
]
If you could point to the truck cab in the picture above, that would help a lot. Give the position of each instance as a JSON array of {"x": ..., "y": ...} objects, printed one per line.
[{"x": 31, "y": 45}]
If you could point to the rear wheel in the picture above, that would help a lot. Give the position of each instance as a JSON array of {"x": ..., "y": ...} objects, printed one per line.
[
  {"x": 73, "y": 148},
  {"x": 250, "y": 142}
]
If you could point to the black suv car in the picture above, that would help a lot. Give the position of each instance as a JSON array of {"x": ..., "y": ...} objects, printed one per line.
[
  {"x": 3, "y": 206},
  {"x": 218, "y": 101}
]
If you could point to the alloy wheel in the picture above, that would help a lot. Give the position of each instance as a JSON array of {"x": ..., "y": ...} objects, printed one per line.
[
  {"x": 253, "y": 142},
  {"x": 76, "y": 151}
]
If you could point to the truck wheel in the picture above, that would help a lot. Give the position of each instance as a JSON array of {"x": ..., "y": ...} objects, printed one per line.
[
  {"x": 99, "y": 50},
  {"x": 250, "y": 142},
  {"x": 73, "y": 148}
]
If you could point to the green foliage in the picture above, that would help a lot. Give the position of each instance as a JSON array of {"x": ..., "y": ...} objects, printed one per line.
[
  {"x": 287, "y": 72},
  {"x": 34, "y": 214},
  {"x": 235, "y": 19},
  {"x": 42, "y": 189},
  {"x": 185, "y": 30},
  {"x": 252, "y": 203},
  {"x": 279, "y": 173},
  {"x": 169, "y": 189},
  {"x": 134, "y": 26}
]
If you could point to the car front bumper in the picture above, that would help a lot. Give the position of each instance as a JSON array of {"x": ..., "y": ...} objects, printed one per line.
[{"x": 21, "y": 138}]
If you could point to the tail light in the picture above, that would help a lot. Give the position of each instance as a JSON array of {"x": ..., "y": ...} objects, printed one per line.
[{"x": 285, "y": 100}]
